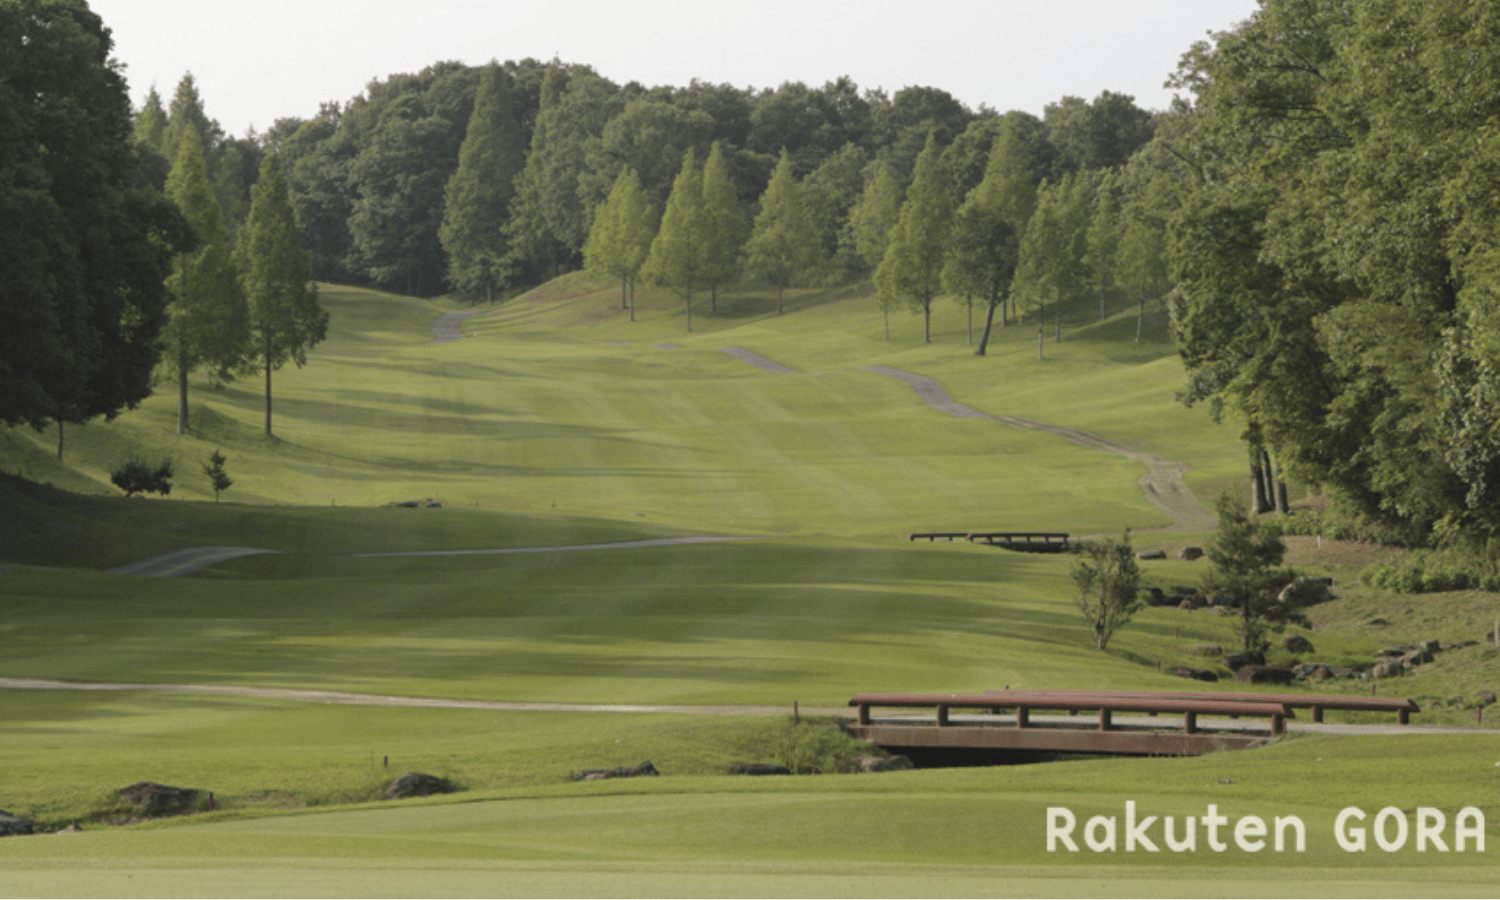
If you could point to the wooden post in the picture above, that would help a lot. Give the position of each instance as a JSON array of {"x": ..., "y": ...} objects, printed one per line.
[
  {"x": 1317, "y": 713},
  {"x": 1190, "y": 722},
  {"x": 1105, "y": 720},
  {"x": 942, "y": 715},
  {"x": 864, "y": 714},
  {"x": 1023, "y": 717}
]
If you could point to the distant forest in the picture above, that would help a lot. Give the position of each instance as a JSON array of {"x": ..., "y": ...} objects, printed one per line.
[{"x": 1318, "y": 218}]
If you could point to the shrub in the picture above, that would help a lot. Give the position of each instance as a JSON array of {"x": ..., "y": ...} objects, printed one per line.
[{"x": 137, "y": 477}]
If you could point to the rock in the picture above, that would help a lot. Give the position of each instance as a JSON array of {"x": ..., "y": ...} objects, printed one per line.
[
  {"x": 1296, "y": 643},
  {"x": 644, "y": 768},
  {"x": 1485, "y": 698},
  {"x": 1264, "y": 675},
  {"x": 1187, "y": 605},
  {"x": 1389, "y": 668},
  {"x": 418, "y": 784},
  {"x": 869, "y": 763},
  {"x": 1414, "y": 658},
  {"x": 1151, "y": 554},
  {"x": 1155, "y": 596},
  {"x": 12, "y": 825},
  {"x": 1312, "y": 672},
  {"x": 1236, "y": 661},
  {"x": 71, "y": 829},
  {"x": 1207, "y": 650},
  {"x": 1191, "y": 553},
  {"x": 153, "y": 799},
  {"x": 1377, "y": 622},
  {"x": 1195, "y": 674},
  {"x": 1308, "y": 590},
  {"x": 758, "y": 769},
  {"x": 1433, "y": 646},
  {"x": 1391, "y": 652}
]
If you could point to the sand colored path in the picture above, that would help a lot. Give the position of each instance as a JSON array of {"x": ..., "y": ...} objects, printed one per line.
[{"x": 1163, "y": 483}]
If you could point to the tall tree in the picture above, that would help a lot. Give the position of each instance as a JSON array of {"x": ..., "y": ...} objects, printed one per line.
[
  {"x": 722, "y": 225},
  {"x": 830, "y": 194},
  {"x": 783, "y": 243},
  {"x": 1049, "y": 269},
  {"x": 676, "y": 257},
  {"x": 477, "y": 200},
  {"x": 871, "y": 222},
  {"x": 1246, "y": 556},
  {"x": 1108, "y": 583},
  {"x": 207, "y": 321},
  {"x": 913, "y": 265},
  {"x": 1101, "y": 259},
  {"x": 618, "y": 244},
  {"x": 986, "y": 243},
  {"x": 285, "y": 316}
]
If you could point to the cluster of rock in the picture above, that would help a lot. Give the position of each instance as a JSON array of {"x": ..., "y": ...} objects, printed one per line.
[
  {"x": 429, "y": 503},
  {"x": 418, "y": 784},
  {"x": 158, "y": 801},
  {"x": 10, "y": 824},
  {"x": 1188, "y": 554},
  {"x": 643, "y": 769}
]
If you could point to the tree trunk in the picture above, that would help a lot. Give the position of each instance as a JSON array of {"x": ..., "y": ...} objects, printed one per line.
[
  {"x": 713, "y": 300},
  {"x": 59, "y": 440},
  {"x": 1101, "y": 304},
  {"x": 984, "y": 334},
  {"x": 1258, "y": 501},
  {"x": 927, "y": 322},
  {"x": 632, "y": 301},
  {"x": 1057, "y": 335},
  {"x": 182, "y": 408},
  {"x": 1140, "y": 320},
  {"x": 969, "y": 326},
  {"x": 689, "y": 304},
  {"x": 624, "y": 294},
  {"x": 887, "y": 315},
  {"x": 1041, "y": 334},
  {"x": 1282, "y": 506},
  {"x": 268, "y": 386},
  {"x": 778, "y": 298}
]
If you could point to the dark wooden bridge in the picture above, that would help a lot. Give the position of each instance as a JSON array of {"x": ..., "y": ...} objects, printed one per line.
[
  {"x": 1007, "y": 720},
  {"x": 1024, "y": 541}
]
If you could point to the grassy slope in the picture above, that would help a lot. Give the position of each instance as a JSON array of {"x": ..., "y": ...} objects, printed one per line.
[{"x": 541, "y": 429}]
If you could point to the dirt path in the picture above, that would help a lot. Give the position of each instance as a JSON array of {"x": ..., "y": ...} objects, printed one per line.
[
  {"x": 1162, "y": 485},
  {"x": 187, "y": 560},
  {"x": 446, "y": 327},
  {"x": 756, "y": 360}
]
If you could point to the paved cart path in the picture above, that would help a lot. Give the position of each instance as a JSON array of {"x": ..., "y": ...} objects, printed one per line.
[
  {"x": 446, "y": 327},
  {"x": 1163, "y": 483}
]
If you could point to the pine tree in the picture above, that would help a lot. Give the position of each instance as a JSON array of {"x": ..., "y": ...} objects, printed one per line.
[
  {"x": 478, "y": 197},
  {"x": 1103, "y": 239},
  {"x": 783, "y": 243},
  {"x": 621, "y": 237},
  {"x": 911, "y": 271},
  {"x": 676, "y": 254},
  {"x": 151, "y": 124},
  {"x": 285, "y": 317},
  {"x": 722, "y": 225},
  {"x": 207, "y": 319}
]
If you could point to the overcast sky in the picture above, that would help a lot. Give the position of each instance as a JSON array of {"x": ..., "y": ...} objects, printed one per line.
[{"x": 256, "y": 62}]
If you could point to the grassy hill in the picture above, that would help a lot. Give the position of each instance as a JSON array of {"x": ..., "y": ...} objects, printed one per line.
[{"x": 556, "y": 422}]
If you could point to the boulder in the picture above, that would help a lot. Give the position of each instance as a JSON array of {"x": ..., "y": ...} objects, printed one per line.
[
  {"x": 1195, "y": 674},
  {"x": 1388, "y": 668},
  {"x": 1296, "y": 643},
  {"x": 1207, "y": 650},
  {"x": 644, "y": 768},
  {"x": 1236, "y": 661},
  {"x": 1308, "y": 590},
  {"x": 1155, "y": 596},
  {"x": 1433, "y": 646},
  {"x": 758, "y": 769},
  {"x": 1264, "y": 675},
  {"x": 10, "y": 825},
  {"x": 418, "y": 784},
  {"x": 870, "y": 763},
  {"x": 1313, "y": 672},
  {"x": 1151, "y": 554},
  {"x": 154, "y": 800},
  {"x": 1191, "y": 553},
  {"x": 1413, "y": 658}
]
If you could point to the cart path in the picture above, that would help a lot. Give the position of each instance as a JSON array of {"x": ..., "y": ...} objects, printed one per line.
[
  {"x": 446, "y": 327},
  {"x": 756, "y": 360},
  {"x": 346, "y": 698},
  {"x": 1162, "y": 485},
  {"x": 187, "y": 560}
]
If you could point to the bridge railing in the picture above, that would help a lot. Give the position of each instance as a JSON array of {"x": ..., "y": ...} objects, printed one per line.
[
  {"x": 1106, "y": 706},
  {"x": 1317, "y": 703}
]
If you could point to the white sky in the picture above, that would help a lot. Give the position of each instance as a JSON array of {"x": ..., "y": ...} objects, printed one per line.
[{"x": 257, "y": 62}]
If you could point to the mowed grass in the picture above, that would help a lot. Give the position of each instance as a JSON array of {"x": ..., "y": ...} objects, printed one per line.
[{"x": 556, "y": 422}]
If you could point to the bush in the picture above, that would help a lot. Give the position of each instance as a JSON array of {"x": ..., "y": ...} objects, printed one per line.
[
  {"x": 137, "y": 477},
  {"x": 1427, "y": 572},
  {"x": 809, "y": 746}
]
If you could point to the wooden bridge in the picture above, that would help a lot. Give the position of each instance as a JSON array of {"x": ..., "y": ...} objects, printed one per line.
[
  {"x": 1024, "y": 541},
  {"x": 1007, "y": 720}
]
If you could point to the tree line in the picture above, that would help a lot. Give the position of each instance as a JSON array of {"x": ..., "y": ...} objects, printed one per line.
[{"x": 133, "y": 245}]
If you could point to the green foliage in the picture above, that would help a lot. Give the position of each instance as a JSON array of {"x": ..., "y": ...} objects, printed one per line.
[
  {"x": 875, "y": 215},
  {"x": 985, "y": 243},
  {"x": 1246, "y": 556},
  {"x": 911, "y": 270},
  {"x": 811, "y": 747},
  {"x": 1050, "y": 271},
  {"x": 217, "y": 476},
  {"x": 1108, "y": 582},
  {"x": 676, "y": 257},
  {"x": 783, "y": 244},
  {"x": 620, "y": 241},
  {"x": 721, "y": 225},
  {"x": 477, "y": 199},
  {"x": 134, "y": 476},
  {"x": 285, "y": 317}
]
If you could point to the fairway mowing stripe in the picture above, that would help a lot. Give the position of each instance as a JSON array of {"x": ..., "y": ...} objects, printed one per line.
[
  {"x": 756, "y": 360},
  {"x": 618, "y": 545},
  {"x": 185, "y": 561},
  {"x": 1163, "y": 483}
]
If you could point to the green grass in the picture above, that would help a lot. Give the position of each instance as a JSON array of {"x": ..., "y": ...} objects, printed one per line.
[{"x": 556, "y": 422}]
